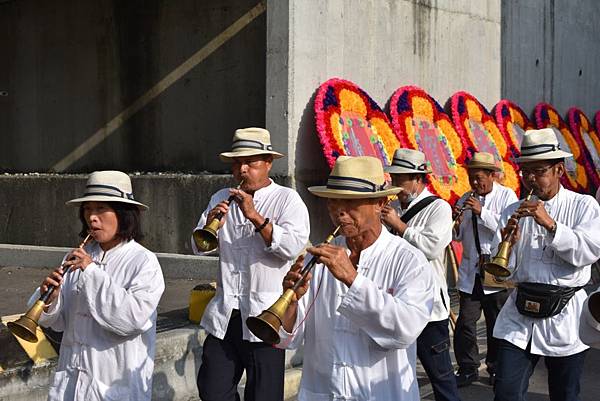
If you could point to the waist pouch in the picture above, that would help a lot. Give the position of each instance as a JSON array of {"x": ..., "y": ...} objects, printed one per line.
[{"x": 542, "y": 300}]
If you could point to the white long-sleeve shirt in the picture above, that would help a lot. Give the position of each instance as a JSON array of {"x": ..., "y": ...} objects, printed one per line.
[
  {"x": 589, "y": 327},
  {"x": 492, "y": 206},
  {"x": 108, "y": 315},
  {"x": 359, "y": 342},
  {"x": 251, "y": 273},
  {"x": 561, "y": 259},
  {"x": 430, "y": 231}
]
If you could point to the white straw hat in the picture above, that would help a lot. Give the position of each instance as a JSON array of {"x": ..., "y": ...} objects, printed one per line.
[
  {"x": 355, "y": 178},
  {"x": 541, "y": 144},
  {"x": 250, "y": 142},
  {"x": 484, "y": 161},
  {"x": 108, "y": 186},
  {"x": 408, "y": 161}
]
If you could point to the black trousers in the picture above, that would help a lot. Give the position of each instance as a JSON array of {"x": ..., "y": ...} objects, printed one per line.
[
  {"x": 466, "y": 349},
  {"x": 224, "y": 361}
]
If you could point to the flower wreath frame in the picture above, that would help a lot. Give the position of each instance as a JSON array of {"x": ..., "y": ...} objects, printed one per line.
[
  {"x": 408, "y": 102},
  {"x": 581, "y": 127},
  {"x": 546, "y": 116},
  {"x": 337, "y": 95},
  {"x": 507, "y": 115},
  {"x": 465, "y": 107}
]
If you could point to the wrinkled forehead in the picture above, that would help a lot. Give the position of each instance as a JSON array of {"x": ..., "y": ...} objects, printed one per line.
[
  {"x": 479, "y": 172},
  {"x": 531, "y": 165}
]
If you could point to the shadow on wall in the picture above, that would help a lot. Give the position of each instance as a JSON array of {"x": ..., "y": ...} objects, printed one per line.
[{"x": 311, "y": 169}]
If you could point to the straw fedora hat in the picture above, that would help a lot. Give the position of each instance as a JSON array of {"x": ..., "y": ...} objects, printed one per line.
[
  {"x": 250, "y": 142},
  {"x": 484, "y": 161},
  {"x": 541, "y": 144},
  {"x": 108, "y": 186},
  {"x": 355, "y": 178},
  {"x": 408, "y": 161}
]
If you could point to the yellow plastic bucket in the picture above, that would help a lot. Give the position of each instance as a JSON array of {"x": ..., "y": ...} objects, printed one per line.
[{"x": 200, "y": 296}]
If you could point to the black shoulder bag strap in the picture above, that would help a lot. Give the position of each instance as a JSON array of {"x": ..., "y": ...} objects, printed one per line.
[{"x": 420, "y": 205}]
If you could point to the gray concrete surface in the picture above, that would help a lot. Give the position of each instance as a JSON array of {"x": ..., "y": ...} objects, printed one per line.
[
  {"x": 33, "y": 208},
  {"x": 70, "y": 66},
  {"x": 550, "y": 53}
]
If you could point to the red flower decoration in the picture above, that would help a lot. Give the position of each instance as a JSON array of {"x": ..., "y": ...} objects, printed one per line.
[
  {"x": 589, "y": 141},
  {"x": 350, "y": 123},
  {"x": 512, "y": 123},
  {"x": 421, "y": 124},
  {"x": 576, "y": 178},
  {"x": 478, "y": 128}
]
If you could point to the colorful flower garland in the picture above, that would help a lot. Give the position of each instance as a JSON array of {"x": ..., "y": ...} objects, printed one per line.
[
  {"x": 589, "y": 141},
  {"x": 576, "y": 178},
  {"x": 512, "y": 123},
  {"x": 475, "y": 124},
  {"x": 350, "y": 123},
  {"x": 421, "y": 123}
]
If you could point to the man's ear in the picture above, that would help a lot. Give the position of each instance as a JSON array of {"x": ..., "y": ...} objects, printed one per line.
[{"x": 560, "y": 169}]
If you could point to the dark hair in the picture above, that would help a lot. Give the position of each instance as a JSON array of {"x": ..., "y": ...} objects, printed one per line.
[
  {"x": 423, "y": 177},
  {"x": 128, "y": 217}
]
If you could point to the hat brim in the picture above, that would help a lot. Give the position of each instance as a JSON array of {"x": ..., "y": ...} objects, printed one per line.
[
  {"x": 404, "y": 170},
  {"x": 589, "y": 328},
  {"x": 484, "y": 166},
  {"x": 105, "y": 198},
  {"x": 324, "y": 192},
  {"x": 229, "y": 156},
  {"x": 556, "y": 154}
]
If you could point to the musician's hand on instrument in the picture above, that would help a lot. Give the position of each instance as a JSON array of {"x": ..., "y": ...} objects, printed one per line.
[
  {"x": 222, "y": 207},
  {"x": 53, "y": 280},
  {"x": 337, "y": 261},
  {"x": 536, "y": 209},
  {"x": 473, "y": 204},
  {"x": 512, "y": 225},
  {"x": 78, "y": 259},
  {"x": 245, "y": 203},
  {"x": 293, "y": 276},
  {"x": 391, "y": 219}
]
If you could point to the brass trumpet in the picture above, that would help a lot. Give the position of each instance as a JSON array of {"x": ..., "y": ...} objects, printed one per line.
[
  {"x": 498, "y": 265},
  {"x": 207, "y": 238},
  {"x": 25, "y": 327},
  {"x": 266, "y": 325}
]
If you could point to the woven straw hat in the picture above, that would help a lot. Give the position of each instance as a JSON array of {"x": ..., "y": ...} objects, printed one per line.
[
  {"x": 250, "y": 142},
  {"x": 408, "y": 161},
  {"x": 359, "y": 177},
  {"x": 108, "y": 186},
  {"x": 541, "y": 144},
  {"x": 484, "y": 161}
]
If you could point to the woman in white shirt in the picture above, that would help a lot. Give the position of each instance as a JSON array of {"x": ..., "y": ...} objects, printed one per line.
[{"x": 105, "y": 303}]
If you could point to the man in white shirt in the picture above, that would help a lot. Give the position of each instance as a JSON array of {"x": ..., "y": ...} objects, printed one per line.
[
  {"x": 426, "y": 223},
  {"x": 557, "y": 237},
  {"x": 263, "y": 229},
  {"x": 476, "y": 228},
  {"x": 368, "y": 300}
]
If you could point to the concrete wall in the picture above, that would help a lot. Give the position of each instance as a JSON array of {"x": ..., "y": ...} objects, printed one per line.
[
  {"x": 33, "y": 209},
  {"x": 70, "y": 66},
  {"x": 550, "y": 53},
  {"x": 443, "y": 46}
]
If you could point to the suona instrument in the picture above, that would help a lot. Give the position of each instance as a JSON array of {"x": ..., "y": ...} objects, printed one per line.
[
  {"x": 498, "y": 265},
  {"x": 266, "y": 325},
  {"x": 462, "y": 209},
  {"x": 207, "y": 238},
  {"x": 25, "y": 327}
]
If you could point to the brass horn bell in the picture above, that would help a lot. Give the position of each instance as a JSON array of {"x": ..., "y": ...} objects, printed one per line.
[
  {"x": 498, "y": 265},
  {"x": 206, "y": 239},
  {"x": 25, "y": 327},
  {"x": 266, "y": 325}
]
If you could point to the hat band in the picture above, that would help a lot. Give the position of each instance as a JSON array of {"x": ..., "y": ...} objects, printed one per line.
[
  {"x": 248, "y": 143},
  {"x": 407, "y": 164},
  {"x": 538, "y": 149},
  {"x": 107, "y": 190},
  {"x": 352, "y": 184}
]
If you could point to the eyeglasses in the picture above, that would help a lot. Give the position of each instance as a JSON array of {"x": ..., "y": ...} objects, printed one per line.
[
  {"x": 538, "y": 172},
  {"x": 248, "y": 162}
]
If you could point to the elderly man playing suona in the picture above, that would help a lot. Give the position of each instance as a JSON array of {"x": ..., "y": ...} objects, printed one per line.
[
  {"x": 476, "y": 229},
  {"x": 262, "y": 231},
  {"x": 370, "y": 296},
  {"x": 426, "y": 223},
  {"x": 557, "y": 238}
]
